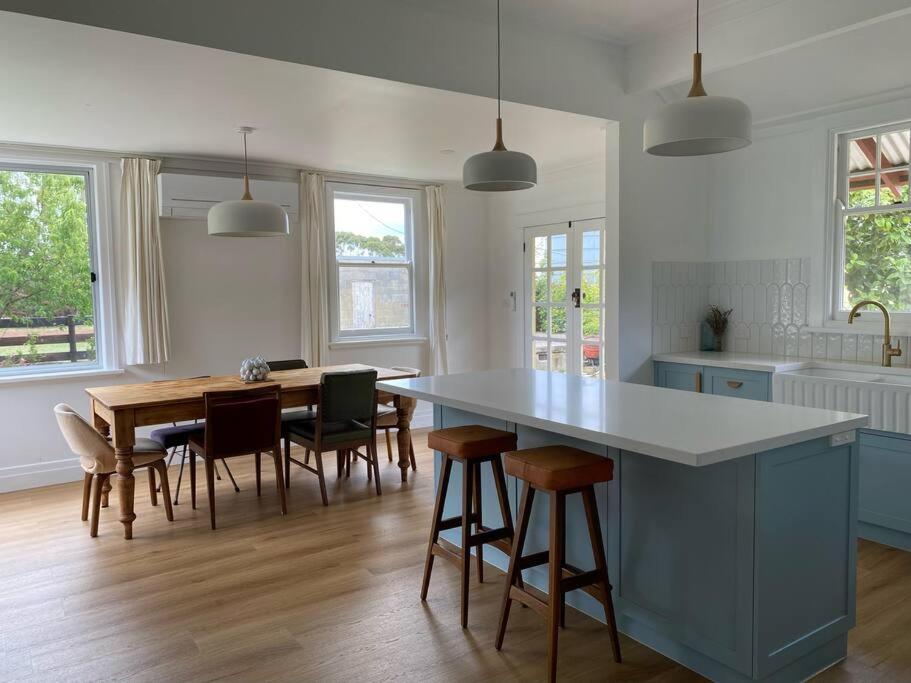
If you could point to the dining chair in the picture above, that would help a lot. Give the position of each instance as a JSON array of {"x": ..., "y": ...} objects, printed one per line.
[
  {"x": 387, "y": 418},
  {"x": 345, "y": 421},
  {"x": 96, "y": 456},
  {"x": 178, "y": 435},
  {"x": 296, "y": 414},
  {"x": 241, "y": 422}
]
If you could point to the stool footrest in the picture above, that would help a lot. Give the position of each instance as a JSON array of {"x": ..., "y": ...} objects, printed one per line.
[
  {"x": 446, "y": 554},
  {"x": 456, "y": 522},
  {"x": 534, "y": 559},
  {"x": 576, "y": 581},
  {"x": 529, "y": 600},
  {"x": 488, "y": 536}
]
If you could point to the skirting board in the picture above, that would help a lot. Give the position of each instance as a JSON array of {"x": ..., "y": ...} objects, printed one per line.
[{"x": 21, "y": 477}]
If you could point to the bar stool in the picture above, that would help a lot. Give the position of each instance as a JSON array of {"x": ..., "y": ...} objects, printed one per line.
[
  {"x": 472, "y": 445},
  {"x": 560, "y": 471}
]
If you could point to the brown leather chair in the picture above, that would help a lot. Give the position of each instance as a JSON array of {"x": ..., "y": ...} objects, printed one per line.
[{"x": 239, "y": 423}]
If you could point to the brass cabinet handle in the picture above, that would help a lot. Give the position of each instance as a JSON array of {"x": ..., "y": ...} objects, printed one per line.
[
  {"x": 734, "y": 385},
  {"x": 698, "y": 382}
]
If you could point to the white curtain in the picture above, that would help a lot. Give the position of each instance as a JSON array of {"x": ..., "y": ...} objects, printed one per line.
[
  {"x": 314, "y": 286},
  {"x": 436, "y": 223},
  {"x": 144, "y": 303}
]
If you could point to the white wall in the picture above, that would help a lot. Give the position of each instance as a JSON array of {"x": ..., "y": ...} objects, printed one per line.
[{"x": 229, "y": 299}]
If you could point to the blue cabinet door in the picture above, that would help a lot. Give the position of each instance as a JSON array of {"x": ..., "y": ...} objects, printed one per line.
[
  {"x": 884, "y": 509},
  {"x": 737, "y": 383},
  {"x": 678, "y": 376}
]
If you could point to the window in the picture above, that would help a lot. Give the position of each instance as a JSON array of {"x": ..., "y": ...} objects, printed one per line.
[
  {"x": 873, "y": 219},
  {"x": 371, "y": 254},
  {"x": 48, "y": 284}
]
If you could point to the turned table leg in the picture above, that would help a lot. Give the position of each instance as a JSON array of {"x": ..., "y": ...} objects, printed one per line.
[
  {"x": 403, "y": 437},
  {"x": 126, "y": 491}
]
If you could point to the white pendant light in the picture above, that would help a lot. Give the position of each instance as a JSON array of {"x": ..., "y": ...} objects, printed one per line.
[
  {"x": 246, "y": 217},
  {"x": 499, "y": 170},
  {"x": 700, "y": 124}
]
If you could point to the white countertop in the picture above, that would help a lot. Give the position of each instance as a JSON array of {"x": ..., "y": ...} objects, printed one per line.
[
  {"x": 685, "y": 427},
  {"x": 737, "y": 361}
]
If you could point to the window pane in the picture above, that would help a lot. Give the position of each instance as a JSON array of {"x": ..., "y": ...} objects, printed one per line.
[
  {"x": 558, "y": 321},
  {"x": 540, "y": 313},
  {"x": 558, "y": 251},
  {"x": 591, "y": 360},
  {"x": 893, "y": 149},
  {"x": 878, "y": 259},
  {"x": 369, "y": 230},
  {"x": 558, "y": 286},
  {"x": 591, "y": 323},
  {"x": 539, "y": 355},
  {"x": 46, "y": 294},
  {"x": 862, "y": 191},
  {"x": 893, "y": 187},
  {"x": 540, "y": 287},
  {"x": 591, "y": 287},
  {"x": 863, "y": 154},
  {"x": 540, "y": 252},
  {"x": 558, "y": 357},
  {"x": 591, "y": 248},
  {"x": 374, "y": 298}
]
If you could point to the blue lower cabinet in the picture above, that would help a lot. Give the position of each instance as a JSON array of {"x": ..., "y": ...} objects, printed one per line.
[
  {"x": 678, "y": 376},
  {"x": 884, "y": 512},
  {"x": 737, "y": 383}
]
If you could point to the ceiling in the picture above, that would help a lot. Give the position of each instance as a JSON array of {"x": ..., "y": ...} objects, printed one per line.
[{"x": 100, "y": 89}]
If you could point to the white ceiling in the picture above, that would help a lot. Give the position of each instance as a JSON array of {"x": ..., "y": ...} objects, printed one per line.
[{"x": 100, "y": 89}]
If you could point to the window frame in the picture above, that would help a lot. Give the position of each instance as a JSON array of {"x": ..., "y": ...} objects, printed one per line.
[
  {"x": 412, "y": 199},
  {"x": 839, "y": 177},
  {"x": 98, "y": 219}
]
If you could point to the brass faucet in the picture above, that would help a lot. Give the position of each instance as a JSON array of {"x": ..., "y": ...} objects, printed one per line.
[{"x": 888, "y": 351}]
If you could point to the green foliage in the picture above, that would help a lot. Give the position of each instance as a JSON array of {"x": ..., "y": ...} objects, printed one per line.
[
  {"x": 352, "y": 244},
  {"x": 44, "y": 249},
  {"x": 592, "y": 293},
  {"x": 878, "y": 258}
]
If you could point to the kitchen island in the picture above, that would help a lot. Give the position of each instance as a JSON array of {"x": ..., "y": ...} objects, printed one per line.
[{"x": 730, "y": 525}]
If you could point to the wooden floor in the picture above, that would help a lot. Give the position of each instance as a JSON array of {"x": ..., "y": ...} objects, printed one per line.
[{"x": 324, "y": 594}]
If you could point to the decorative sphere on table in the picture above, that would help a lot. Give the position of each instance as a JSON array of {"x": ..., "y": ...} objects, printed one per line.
[{"x": 254, "y": 369}]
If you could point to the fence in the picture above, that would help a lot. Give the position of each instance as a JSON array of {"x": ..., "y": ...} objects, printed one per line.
[{"x": 71, "y": 337}]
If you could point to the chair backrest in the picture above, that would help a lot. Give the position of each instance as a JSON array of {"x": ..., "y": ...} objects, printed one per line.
[
  {"x": 243, "y": 421},
  {"x": 291, "y": 364},
  {"x": 348, "y": 396},
  {"x": 92, "y": 448},
  {"x": 410, "y": 404}
]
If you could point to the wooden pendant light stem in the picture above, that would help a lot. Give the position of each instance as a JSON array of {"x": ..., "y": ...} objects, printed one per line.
[
  {"x": 247, "y": 194},
  {"x": 499, "y": 146},
  {"x": 696, "y": 90}
]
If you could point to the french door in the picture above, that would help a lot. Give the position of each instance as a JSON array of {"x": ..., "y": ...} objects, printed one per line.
[{"x": 565, "y": 298}]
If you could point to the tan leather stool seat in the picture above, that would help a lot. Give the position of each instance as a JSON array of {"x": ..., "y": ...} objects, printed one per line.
[
  {"x": 471, "y": 441},
  {"x": 559, "y": 468}
]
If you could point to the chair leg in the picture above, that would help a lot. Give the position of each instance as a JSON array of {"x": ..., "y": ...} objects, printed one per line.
[
  {"x": 153, "y": 489},
  {"x": 467, "y": 490},
  {"x": 192, "y": 479},
  {"x": 514, "y": 573},
  {"x": 277, "y": 458},
  {"x": 230, "y": 476},
  {"x": 165, "y": 488},
  {"x": 288, "y": 463},
  {"x": 338, "y": 463},
  {"x": 435, "y": 524},
  {"x": 86, "y": 494},
  {"x": 183, "y": 459},
  {"x": 96, "y": 502},
  {"x": 414, "y": 463},
  {"x": 374, "y": 455},
  {"x": 479, "y": 551},
  {"x": 349, "y": 456},
  {"x": 594, "y": 532},
  {"x": 318, "y": 457},
  {"x": 105, "y": 492},
  {"x": 217, "y": 473},
  {"x": 170, "y": 460},
  {"x": 555, "y": 575},
  {"x": 258, "y": 461},
  {"x": 307, "y": 456},
  {"x": 388, "y": 444},
  {"x": 210, "y": 488}
]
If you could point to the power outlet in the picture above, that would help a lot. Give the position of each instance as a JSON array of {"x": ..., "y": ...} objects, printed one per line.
[{"x": 842, "y": 439}]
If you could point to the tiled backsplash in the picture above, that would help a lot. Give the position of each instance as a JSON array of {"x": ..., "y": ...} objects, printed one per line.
[{"x": 770, "y": 302}]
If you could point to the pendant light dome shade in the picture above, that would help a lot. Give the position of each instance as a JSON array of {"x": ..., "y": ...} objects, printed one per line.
[
  {"x": 697, "y": 126},
  {"x": 246, "y": 217}
]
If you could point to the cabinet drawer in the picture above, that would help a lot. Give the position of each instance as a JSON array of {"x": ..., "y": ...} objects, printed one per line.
[
  {"x": 678, "y": 376},
  {"x": 737, "y": 383}
]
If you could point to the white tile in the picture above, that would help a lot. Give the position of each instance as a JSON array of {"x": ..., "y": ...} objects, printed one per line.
[
  {"x": 805, "y": 271},
  {"x": 785, "y": 301},
  {"x": 799, "y": 311},
  {"x": 805, "y": 344},
  {"x": 765, "y": 338},
  {"x": 753, "y": 346},
  {"x": 765, "y": 272},
  {"x": 849, "y": 347},
  {"x": 833, "y": 346},
  {"x": 747, "y": 301},
  {"x": 773, "y": 304},
  {"x": 755, "y": 267},
  {"x": 730, "y": 273},
  {"x": 865, "y": 347},
  {"x": 779, "y": 270},
  {"x": 760, "y": 309},
  {"x": 793, "y": 271},
  {"x": 791, "y": 340},
  {"x": 819, "y": 345},
  {"x": 778, "y": 341}
]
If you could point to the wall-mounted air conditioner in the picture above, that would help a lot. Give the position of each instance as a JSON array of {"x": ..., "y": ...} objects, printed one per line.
[{"x": 191, "y": 196}]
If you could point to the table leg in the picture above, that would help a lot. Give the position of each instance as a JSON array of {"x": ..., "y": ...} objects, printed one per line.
[
  {"x": 124, "y": 438},
  {"x": 403, "y": 437}
]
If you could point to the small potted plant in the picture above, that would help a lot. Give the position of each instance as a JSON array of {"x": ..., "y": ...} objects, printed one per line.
[{"x": 716, "y": 320}]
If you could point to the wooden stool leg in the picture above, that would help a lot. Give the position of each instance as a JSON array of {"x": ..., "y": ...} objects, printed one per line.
[
  {"x": 257, "y": 461},
  {"x": 100, "y": 479},
  {"x": 467, "y": 489},
  {"x": 514, "y": 573},
  {"x": 476, "y": 483},
  {"x": 435, "y": 524},
  {"x": 162, "y": 469},
  {"x": 86, "y": 494},
  {"x": 594, "y": 531},
  {"x": 277, "y": 458},
  {"x": 210, "y": 488},
  {"x": 555, "y": 575},
  {"x": 153, "y": 489}
]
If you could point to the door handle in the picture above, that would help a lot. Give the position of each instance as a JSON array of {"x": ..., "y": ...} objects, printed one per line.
[
  {"x": 576, "y": 296},
  {"x": 734, "y": 384}
]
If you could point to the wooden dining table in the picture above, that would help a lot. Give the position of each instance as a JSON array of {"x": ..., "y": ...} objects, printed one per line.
[{"x": 118, "y": 410}]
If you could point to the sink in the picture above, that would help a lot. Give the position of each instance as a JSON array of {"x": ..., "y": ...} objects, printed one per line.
[{"x": 882, "y": 393}]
